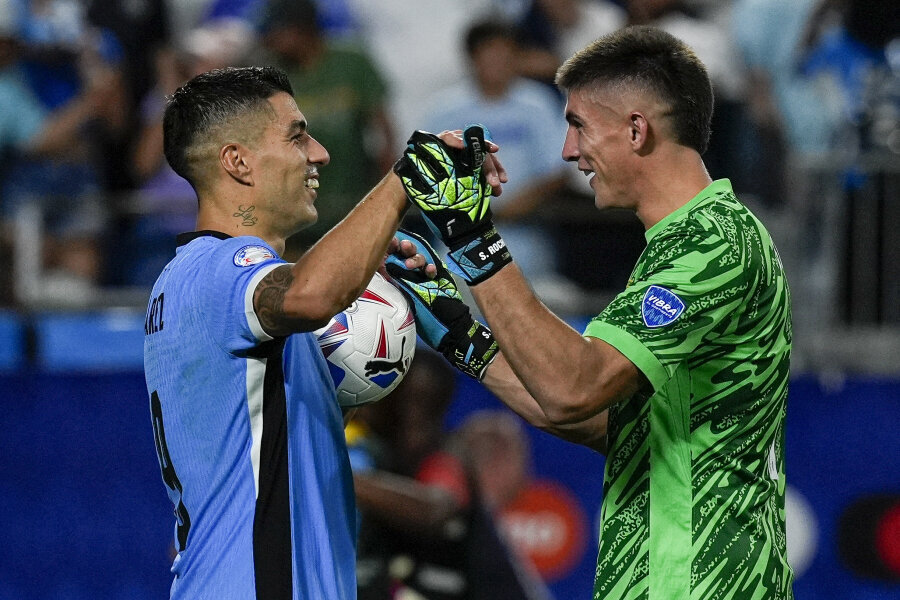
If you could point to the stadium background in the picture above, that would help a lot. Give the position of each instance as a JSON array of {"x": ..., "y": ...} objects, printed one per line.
[{"x": 84, "y": 514}]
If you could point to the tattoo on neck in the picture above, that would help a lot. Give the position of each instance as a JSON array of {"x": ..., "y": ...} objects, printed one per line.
[{"x": 246, "y": 213}]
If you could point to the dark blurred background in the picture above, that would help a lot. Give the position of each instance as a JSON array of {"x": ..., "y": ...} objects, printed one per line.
[{"x": 807, "y": 127}]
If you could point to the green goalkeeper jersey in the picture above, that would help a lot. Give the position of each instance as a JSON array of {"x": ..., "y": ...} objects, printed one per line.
[{"x": 693, "y": 504}]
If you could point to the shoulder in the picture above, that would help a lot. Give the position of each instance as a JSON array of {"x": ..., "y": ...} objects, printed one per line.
[
  {"x": 535, "y": 93},
  {"x": 215, "y": 261},
  {"x": 242, "y": 251},
  {"x": 448, "y": 105},
  {"x": 718, "y": 235},
  {"x": 698, "y": 238},
  {"x": 349, "y": 51}
]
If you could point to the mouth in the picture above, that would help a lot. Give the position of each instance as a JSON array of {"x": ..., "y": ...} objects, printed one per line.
[{"x": 312, "y": 179}]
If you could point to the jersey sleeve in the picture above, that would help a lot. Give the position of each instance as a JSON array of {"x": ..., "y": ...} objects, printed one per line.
[
  {"x": 687, "y": 293},
  {"x": 235, "y": 268}
]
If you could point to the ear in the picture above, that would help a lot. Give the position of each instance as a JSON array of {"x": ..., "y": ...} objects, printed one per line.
[
  {"x": 641, "y": 135},
  {"x": 234, "y": 158}
]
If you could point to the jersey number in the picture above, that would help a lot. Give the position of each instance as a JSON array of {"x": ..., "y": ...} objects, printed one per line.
[{"x": 170, "y": 478}]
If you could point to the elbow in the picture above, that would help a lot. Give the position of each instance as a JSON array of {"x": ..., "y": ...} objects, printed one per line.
[
  {"x": 313, "y": 308},
  {"x": 575, "y": 408},
  {"x": 560, "y": 416}
]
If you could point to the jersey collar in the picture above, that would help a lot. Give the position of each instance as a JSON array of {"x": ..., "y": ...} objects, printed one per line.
[
  {"x": 184, "y": 238},
  {"x": 717, "y": 187}
]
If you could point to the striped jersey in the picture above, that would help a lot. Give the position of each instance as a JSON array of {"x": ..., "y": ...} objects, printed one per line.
[
  {"x": 248, "y": 434},
  {"x": 693, "y": 504}
]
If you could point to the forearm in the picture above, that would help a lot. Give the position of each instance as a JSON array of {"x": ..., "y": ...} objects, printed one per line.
[
  {"x": 335, "y": 271},
  {"x": 540, "y": 348},
  {"x": 560, "y": 369},
  {"x": 529, "y": 199},
  {"x": 403, "y": 502},
  {"x": 502, "y": 381},
  {"x": 61, "y": 129}
]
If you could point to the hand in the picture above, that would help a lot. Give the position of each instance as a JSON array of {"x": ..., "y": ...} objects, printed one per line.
[
  {"x": 449, "y": 186},
  {"x": 492, "y": 168},
  {"x": 407, "y": 251},
  {"x": 446, "y": 183},
  {"x": 443, "y": 320}
]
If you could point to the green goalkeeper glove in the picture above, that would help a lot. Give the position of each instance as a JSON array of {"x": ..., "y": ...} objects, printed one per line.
[
  {"x": 449, "y": 188},
  {"x": 443, "y": 320}
]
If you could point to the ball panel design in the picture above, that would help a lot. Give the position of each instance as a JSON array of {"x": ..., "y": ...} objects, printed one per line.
[{"x": 370, "y": 345}]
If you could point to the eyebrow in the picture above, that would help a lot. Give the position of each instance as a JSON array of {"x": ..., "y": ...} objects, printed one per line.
[{"x": 296, "y": 126}]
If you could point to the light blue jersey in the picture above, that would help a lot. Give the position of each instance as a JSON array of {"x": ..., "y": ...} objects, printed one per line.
[{"x": 249, "y": 435}]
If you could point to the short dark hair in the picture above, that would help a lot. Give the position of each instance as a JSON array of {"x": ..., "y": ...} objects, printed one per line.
[
  {"x": 650, "y": 59},
  {"x": 482, "y": 32},
  {"x": 213, "y": 99}
]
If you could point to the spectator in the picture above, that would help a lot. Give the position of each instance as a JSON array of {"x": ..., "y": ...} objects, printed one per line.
[
  {"x": 343, "y": 94},
  {"x": 166, "y": 203},
  {"x": 747, "y": 153},
  {"x": 526, "y": 120},
  {"x": 415, "y": 45},
  {"x": 426, "y": 529},
  {"x": 559, "y": 28},
  {"x": 140, "y": 29},
  {"x": 49, "y": 167}
]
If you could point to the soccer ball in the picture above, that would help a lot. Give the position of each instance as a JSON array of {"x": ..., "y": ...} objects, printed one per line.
[{"x": 370, "y": 345}]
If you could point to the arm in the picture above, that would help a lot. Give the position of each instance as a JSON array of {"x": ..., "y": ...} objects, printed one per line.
[
  {"x": 445, "y": 323},
  {"x": 403, "y": 502},
  {"x": 335, "y": 271},
  {"x": 382, "y": 127},
  {"x": 530, "y": 198},
  {"x": 572, "y": 379},
  {"x": 503, "y": 382}
]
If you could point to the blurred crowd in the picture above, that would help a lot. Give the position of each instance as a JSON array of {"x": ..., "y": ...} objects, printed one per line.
[{"x": 89, "y": 203}]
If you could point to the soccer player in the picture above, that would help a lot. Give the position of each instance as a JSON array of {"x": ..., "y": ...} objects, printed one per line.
[
  {"x": 247, "y": 429},
  {"x": 683, "y": 378}
]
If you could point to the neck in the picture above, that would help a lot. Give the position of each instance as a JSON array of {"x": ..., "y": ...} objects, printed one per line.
[
  {"x": 670, "y": 184},
  {"x": 493, "y": 90},
  {"x": 240, "y": 218}
]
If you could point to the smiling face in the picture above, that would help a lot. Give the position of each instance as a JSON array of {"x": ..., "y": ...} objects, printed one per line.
[
  {"x": 599, "y": 139},
  {"x": 286, "y": 160}
]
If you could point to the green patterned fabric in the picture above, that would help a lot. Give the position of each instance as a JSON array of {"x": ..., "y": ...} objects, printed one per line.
[{"x": 693, "y": 504}]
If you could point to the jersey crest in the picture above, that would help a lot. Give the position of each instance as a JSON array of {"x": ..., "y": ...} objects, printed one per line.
[
  {"x": 660, "y": 307},
  {"x": 251, "y": 255}
]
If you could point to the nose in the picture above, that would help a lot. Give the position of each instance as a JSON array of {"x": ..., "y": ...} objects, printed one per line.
[
  {"x": 570, "y": 146},
  {"x": 317, "y": 153}
]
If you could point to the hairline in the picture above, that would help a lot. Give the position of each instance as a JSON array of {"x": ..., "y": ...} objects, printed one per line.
[{"x": 261, "y": 106}]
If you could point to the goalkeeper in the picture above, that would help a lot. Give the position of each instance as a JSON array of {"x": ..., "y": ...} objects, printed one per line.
[{"x": 682, "y": 379}]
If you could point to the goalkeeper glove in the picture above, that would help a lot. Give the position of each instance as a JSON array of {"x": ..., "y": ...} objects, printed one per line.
[
  {"x": 443, "y": 320},
  {"x": 449, "y": 188}
]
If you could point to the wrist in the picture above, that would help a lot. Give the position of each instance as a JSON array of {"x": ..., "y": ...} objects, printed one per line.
[
  {"x": 478, "y": 255},
  {"x": 471, "y": 349}
]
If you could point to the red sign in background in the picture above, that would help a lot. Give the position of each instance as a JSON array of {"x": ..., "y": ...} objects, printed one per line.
[{"x": 546, "y": 524}]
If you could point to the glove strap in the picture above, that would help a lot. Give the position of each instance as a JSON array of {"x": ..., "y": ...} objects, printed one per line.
[
  {"x": 472, "y": 352},
  {"x": 479, "y": 257}
]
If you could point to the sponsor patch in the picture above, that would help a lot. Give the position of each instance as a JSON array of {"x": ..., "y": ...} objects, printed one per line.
[
  {"x": 660, "y": 307},
  {"x": 251, "y": 255}
]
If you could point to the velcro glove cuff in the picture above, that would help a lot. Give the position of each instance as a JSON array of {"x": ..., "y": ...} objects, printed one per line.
[
  {"x": 471, "y": 350},
  {"x": 478, "y": 256}
]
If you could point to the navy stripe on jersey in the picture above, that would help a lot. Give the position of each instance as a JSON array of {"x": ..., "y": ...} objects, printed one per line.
[{"x": 272, "y": 522}]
